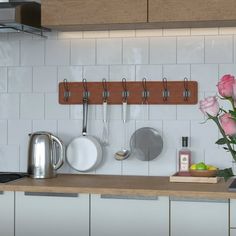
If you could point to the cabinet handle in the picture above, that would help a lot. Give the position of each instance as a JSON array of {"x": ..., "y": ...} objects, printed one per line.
[
  {"x": 52, "y": 194},
  {"x": 186, "y": 199},
  {"x": 132, "y": 197}
]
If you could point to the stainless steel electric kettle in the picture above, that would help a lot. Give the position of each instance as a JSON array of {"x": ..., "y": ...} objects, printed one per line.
[{"x": 45, "y": 155}]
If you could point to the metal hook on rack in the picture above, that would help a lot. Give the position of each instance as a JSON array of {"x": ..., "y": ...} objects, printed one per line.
[
  {"x": 145, "y": 93},
  {"x": 125, "y": 92},
  {"x": 186, "y": 92},
  {"x": 166, "y": 92},
  {"x": 105, "y": 92},
  {"x": 85, "y": 92},
  {"x": 66, "y": 90}
]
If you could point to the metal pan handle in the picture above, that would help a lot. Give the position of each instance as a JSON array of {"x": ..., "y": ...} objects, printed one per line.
[{"x": 85, "y": 116}]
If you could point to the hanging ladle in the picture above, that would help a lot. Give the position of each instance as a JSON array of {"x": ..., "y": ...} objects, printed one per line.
[{"x": 123, "y": 153}]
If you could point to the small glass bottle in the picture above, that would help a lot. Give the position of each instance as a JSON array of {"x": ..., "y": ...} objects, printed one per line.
[{"x": 184, "y": 156}]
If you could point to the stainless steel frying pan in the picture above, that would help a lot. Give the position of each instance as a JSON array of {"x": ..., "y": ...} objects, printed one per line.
[{"x": 146, "y": 144}]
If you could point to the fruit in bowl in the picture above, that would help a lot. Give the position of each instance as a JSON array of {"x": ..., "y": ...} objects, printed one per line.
[{"x": 203, "y": 170}]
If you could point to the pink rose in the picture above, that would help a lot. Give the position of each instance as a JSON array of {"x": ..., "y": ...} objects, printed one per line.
[
  {"x": 228, "y": 124},
  {"x": 225, "y": 86},
  {"x": 209, "y": 106}
]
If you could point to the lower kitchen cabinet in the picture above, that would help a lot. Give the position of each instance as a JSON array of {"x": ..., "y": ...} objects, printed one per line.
[
  {"x": 129, "y": 215},
  {"x": 199, "y": 217},
  {"x": 44, "y": 214},
  {"x": 7, "y": 213}
]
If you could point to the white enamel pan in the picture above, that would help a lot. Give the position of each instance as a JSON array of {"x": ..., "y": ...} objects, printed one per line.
[{"x": 85, "y": 152}]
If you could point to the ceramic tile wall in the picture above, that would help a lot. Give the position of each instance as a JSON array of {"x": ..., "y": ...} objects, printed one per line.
[{"x": 31, "y": 67}]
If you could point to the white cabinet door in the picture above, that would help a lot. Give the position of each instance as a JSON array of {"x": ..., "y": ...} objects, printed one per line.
[
  {"x": 199, "y": 217},
  {"x": 129, "y": 216},
  {"x": 233, "y": 213},
  {"x": 7, "y": 213},
  {"x": 50, "y": 214}
]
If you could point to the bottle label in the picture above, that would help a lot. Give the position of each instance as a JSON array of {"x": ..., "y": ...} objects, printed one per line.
[{"x": 184, "y": 162}]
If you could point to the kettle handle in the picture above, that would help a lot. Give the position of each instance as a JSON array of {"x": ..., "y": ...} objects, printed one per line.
[{"x": 62, "y": 152}]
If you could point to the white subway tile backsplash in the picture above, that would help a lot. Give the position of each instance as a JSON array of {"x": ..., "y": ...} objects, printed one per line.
[
  {"x": 3, "y": 80},
  {"x": 206, "y": 75},
  {"x": 9, "y": 53},
  {"x": 18, "y": 131},
  {"x": 219, "y": 49},
  {"x": 20, "y": 79},
  {"x": 227, "y": 30},
  {"x": 176, "y": 72},
  {"x": 190, "y": 49},
  {"x": 149, "y": 32},
  {"x": 164, "y": 164},
  {"x": 71, "y": 73},
  {"x": 28, "y": 102},
  {"x": 150, "y": 72},
  {"x": 70, "y": 35},
  {"x": 227, "y": 69},
  {"x": 135, "y": 51},
  {"x": 45, "y": 79},
  {"x": 204, "y": 31},
  {"x": 9, "y": 158},
  {"x": 107, "y": 53},
  {"x": 23, "y": 155},
  {"x": 176, "y": 32},
  {"x": 96, "y": 34},
  {"x": 9, "y": 106},
  {"x": 57, "y": 52},
  {"x": 122, "y": 33},
  {"x": 124, "y": 71},
  {"x": 83, "y": 52},
  {"x": 218, "y": 157},
  {"x": 162, "y": 112},
  {"x": 3, "y": 128},
  {"x": 53, "y": 110},
  {"x": 30, "y": 69},
  {"x": 163, "y": 50},
  {"x": 45, "y": 125},
  {"x": 204, "y": 134},
  {"x": 133, "y": 166},
  {"x": 32, "y": 52},
  {"x": 109, "y": 165},
  {"x": 95, "y": 73}
]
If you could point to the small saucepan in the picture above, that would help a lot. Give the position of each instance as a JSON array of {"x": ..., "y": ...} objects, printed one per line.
[{"x": 84, "y": 153}]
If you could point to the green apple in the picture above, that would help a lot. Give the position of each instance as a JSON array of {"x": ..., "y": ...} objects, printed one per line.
[{"x": 201, "y": 166}]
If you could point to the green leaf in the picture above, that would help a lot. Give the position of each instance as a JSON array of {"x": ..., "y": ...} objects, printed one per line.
[
  {"x": 233, "y": 113},
  {"x": 225, "y": 173},
  {"x": 221, "y": 141}
]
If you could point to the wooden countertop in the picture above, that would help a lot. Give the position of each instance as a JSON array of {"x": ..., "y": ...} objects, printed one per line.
[{"x": 121, "y": 185}]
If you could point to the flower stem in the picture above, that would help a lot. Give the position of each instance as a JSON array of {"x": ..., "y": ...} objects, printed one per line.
[
  {"x": 232, "y": 103},
  {"x": 215, "y": 119}
]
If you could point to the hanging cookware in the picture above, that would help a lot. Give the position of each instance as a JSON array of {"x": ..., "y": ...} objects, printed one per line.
[
  {"x": 146, "y": 144},
  {"x": 85, "y": 152},
  {"x": 124, "y": 153},
  {"x": 45, "y": 155}
]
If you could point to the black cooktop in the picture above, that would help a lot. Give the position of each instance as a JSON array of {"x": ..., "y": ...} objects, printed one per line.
[{"x": 7, "y": 176}]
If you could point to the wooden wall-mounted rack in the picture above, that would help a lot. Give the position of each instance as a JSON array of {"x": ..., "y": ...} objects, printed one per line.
[{"x": 138, "y": 92}]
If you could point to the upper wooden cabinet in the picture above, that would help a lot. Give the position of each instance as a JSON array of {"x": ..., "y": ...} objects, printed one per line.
[
  {"x": 192, "y": 13},
  {"x": 79, "y": 14},
  {"x": 132, "y": 14}
]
